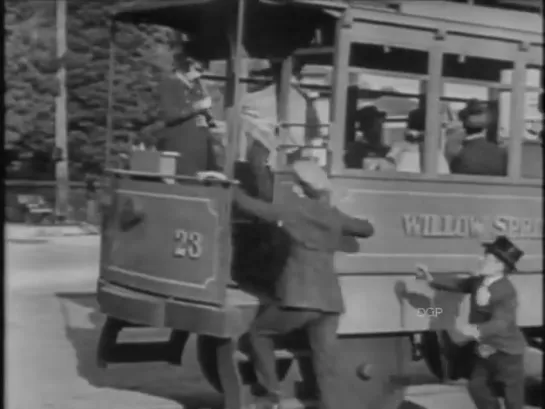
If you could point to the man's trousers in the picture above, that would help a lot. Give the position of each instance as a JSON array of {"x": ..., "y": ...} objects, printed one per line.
[
  {"x": 321, "y": 329},
  {"x": 498, "y": 375}
]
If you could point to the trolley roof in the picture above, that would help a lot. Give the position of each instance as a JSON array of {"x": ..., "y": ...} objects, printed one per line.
[{"x": 273, "y": 28}]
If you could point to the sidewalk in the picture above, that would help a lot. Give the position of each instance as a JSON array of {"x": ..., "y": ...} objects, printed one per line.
[{"x": 39, "y": 233}]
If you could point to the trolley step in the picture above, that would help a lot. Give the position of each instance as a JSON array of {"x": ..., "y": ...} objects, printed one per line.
[
  {"x": 138, "y": 349},
  {"x": 281, "y": 354}
]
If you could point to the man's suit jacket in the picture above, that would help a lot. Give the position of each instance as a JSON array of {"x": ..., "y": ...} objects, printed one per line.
[
  {"x": 497, "y": 318},
  {"x": 315, "y": 231},
  {"x": 183, "y": 132},
  {"x": 480, "y": 157}
]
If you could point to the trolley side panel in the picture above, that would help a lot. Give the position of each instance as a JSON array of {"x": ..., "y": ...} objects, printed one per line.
[
  {"x": 179, "y": 248},
  {"x": 430, "y": 222}
]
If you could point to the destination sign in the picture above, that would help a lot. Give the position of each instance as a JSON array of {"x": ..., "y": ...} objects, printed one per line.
[{"x": 467, "y": 226}]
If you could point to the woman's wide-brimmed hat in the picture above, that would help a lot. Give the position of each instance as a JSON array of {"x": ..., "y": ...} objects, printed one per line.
[
  {"x": 475, "y": 114},
  {"x": 312, "y": 175},
  {"x": 417, "y": 120},
  {"x": 505, "y": 250}
]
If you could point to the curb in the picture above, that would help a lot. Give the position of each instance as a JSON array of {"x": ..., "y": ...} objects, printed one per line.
[{"x": 23, "y": 233}]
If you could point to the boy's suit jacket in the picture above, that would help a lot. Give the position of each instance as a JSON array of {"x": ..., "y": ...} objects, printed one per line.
[{"x": 495, "y": 314}]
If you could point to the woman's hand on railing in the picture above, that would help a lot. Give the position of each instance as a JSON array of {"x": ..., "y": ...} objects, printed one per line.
[{"x": 211, "y": 175}]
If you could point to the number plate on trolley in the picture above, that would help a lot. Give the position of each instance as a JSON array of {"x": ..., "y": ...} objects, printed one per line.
[
  {"x": 175, "y": 249},
  {"x": 188, "y": 244}
]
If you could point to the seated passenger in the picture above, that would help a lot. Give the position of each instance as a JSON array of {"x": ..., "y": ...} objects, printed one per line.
[
  {"x": 478, "y": 155},
  {"x": 370, "y": 122},
  {"x": 407, "y": 155}
]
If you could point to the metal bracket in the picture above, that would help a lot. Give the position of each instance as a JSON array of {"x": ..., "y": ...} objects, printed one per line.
[
  {"x": 440, "y": 35},
  {"x": 347, "y": 19},
  {"x": 524, "y": 46}
]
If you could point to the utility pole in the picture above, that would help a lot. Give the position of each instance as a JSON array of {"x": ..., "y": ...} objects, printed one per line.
[{"x": 61, "y": 143}]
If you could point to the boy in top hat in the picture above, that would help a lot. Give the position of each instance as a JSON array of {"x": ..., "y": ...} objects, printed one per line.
[
  {"x": 478, "y": 156},
  {"x": 307, "y": 290},
  {"x": 500, "y": 345}
]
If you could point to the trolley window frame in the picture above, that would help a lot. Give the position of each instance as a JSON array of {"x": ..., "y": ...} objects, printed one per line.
[{"x": 521, "y": 55}]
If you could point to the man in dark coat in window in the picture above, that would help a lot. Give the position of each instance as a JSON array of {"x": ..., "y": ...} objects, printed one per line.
[
  {"x": 185, "y": 109},
  {"x": 307, "y": 292},
  {"x": 370, "y": 122},
  {"x": 478, "y": 155}
]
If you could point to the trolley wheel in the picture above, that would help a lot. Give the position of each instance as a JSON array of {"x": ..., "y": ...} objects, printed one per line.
[{"x": 206, "y": 356}]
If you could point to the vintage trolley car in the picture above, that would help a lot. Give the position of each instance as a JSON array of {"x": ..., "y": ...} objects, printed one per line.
[{"x": 167, "y": 248}]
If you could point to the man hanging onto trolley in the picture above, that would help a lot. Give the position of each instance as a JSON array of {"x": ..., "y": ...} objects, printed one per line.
[{"x": 308, "y": 294}]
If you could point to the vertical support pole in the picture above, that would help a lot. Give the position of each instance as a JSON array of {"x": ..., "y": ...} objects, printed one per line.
[
  {"x": 283, "y": 99},
  {"x": 233, "y": 110},
  {"x": 111, "y": 84},
  {"x": 422, "y": 90},
  {"x": 340, "y": 89},
  {"x": 434, "y": 89},
  {"x": 422, "y": 93},
  {"x": 61, "y": 143},
  {"x": 516, "y": 119},
  {"x": 493, "y": 103}
]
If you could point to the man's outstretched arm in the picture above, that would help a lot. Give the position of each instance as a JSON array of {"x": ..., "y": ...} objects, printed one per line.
[
  {"x": 266, "y": 211},
  {"x": 354, "y": 226}
]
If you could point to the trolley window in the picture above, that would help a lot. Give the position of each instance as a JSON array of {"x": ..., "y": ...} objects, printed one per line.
[
  {"x": 532, "y": 143},
  {"x": 472, "y": 87},
  {"x": 386, "y": 86}
]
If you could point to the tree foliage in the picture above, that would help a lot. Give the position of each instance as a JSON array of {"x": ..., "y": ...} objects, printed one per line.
[
  {"x": 30, "y": 82},
  {"x": 143, "y": 53},
  {"x": 31, "y": 69}
]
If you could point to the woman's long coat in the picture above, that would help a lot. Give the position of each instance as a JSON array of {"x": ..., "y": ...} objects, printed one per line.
[{"x": 185, "y": 130}]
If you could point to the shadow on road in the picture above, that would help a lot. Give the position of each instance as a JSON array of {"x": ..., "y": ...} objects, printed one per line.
[{"x": 185, "y": 386}]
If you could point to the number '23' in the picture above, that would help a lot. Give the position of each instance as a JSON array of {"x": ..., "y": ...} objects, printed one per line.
[{"x": 188, "y": 244}]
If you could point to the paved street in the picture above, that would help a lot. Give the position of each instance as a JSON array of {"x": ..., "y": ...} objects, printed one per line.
[{"x": 52, "y": 328}]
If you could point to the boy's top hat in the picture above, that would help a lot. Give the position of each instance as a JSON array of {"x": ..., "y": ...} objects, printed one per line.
[{"x": 505, "y": 250}]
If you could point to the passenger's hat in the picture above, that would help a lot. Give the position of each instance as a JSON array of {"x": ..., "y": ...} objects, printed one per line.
[
  {"x": 505, "y": 250},
  {"x": 417, "y": 120},
  {"x": 312, "y": 175},
  {"x": 475, "y": 114},
  {"x": 369, "y": 113}
]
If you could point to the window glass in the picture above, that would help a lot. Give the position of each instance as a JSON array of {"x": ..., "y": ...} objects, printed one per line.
[
  {"x": 532, "y": 143},
  {"x": 306, "y": 133},
  {"x": 474, "y": 92},
  {"x": 385, "y": 124}
]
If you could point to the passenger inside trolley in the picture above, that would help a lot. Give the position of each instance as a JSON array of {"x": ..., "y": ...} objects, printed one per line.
[
  {"x": 407, "y": 155},
  {"x": 480, "y": 153}
]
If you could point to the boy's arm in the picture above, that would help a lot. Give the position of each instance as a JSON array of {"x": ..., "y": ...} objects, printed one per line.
[{"x": 455, "y": 285}]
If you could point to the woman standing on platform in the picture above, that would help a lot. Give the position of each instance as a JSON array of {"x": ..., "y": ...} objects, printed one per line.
[{"x": 185, "y": 107}]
